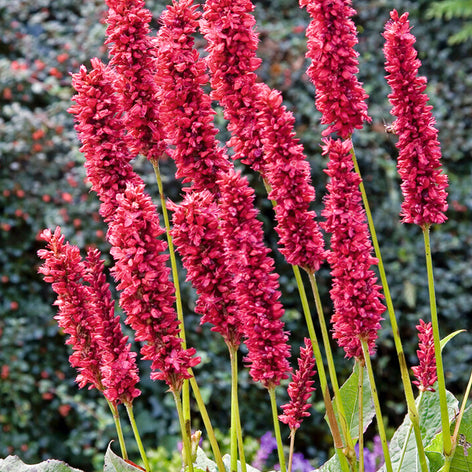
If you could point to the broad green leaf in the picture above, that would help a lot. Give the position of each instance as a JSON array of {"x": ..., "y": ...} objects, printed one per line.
[
  {"x": 462, "y": 460},
  {"x": 430, "y": 425},
  {"x": 14, "y": 464},
  {"x": 445, "y": 340},
  {"x": 332, "y": 465},
  {"x": 350, "y": 400},
  {"x": 434, "y": 453},
  {"x": 114, "y": 463},
  {"x": 206, "y": 464}
]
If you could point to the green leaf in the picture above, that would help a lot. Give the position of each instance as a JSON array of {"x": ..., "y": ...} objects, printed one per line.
[
  {"x": 462, "y": 460},
  {"x": 332, "y": 465},
  {"x": 430, "y": 425},
  {"x": 350, "y": 400},
  {"x": 445, "y": 340},
  {"x": 207, "y": 465},
  {"x": 14, "y": 464},
  {"x": 114, "y": 463}
]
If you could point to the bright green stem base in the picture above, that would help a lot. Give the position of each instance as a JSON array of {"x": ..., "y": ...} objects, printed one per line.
[
  {"x": 360, "y": 396},
  {"x": 409, "y": 396},
  {"x": 119, "y": 431},
  {"x": 447, "y": 442},
  {"x": 129, "y": 409},
  {"x": 187, "y": 448},
  {"x": 278, "y": 437},
  {"x": 378, "y": 412}
]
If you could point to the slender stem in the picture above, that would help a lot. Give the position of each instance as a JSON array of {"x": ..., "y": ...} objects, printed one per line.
[
  {"x": 178, "y": 297},
  {"x": 360, "y": 396},
  {"x": 187, "y": 452},
  {"x": 129, "y": 409},
  {"x": 208, "y": 426},
  {"x": 378, "y": 412},
  {"x": 119, "y": 431},
  {"x": 332, "y": 422},
  {"x": 332, "y": 370},
  {"x": 447, "y": 443},
  {"x": 292, "y": 447},
  {"x": 407, "y": 387},
  {"x": 278, "y": 437}
]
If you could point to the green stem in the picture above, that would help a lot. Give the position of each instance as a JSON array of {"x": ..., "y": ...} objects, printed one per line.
[
  {"x": 278, "y": 437},
  {"x": 407, "y": 388},
  {"x": 119, "y": 431},
  {"x": 378, "y": 412},
  {"x": 178, "y": 297},
  {"x": 129, "y": 409},
  {"x": 292, "y": 447},
  {"x": 331, "y": 417},
  {"x": 332, "y": 370},
  {"x": 207, "y": 422},
  {"x": 187, "y": 449},
  {"x": 360, "y": 390},
  {"x": 447, "y": 443}
]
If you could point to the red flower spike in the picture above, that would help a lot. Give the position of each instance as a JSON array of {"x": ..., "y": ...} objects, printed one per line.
[
  {"x": 100, "y": 129},
  {"x": 185, "y": 108},
  {"x": 133, "y": 56},
  {"x": 300, "y": 389},
  {"x": 257, "y": 288},
  {"x": 147, "y": 294},
  {"x": 331, "y": 39},
  {"x": 197, "y": 235},
  {"x": 423, "y": 183},
  {"x": 425, "y": 372},
  {"x": 355, "y": 293}
]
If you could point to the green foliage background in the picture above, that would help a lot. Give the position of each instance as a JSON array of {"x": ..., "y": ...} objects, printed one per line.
[{"x": 42, "y": 414}]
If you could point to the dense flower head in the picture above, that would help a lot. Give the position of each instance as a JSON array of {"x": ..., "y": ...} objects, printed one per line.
[
  {"x": 147, "y": 295},
  {"x": 185, "y": 108},
  {"x": 101, "y": 131},
  {"x": 300, "y": 389},
  {"x": 332, "y": 36},
  {"x": 86, "y": 313},
  {"x": 425, "y": 372},
  {"x": 288, "y": 175},
  {"x": 133, "y": 56},
  {"x": 355, "y": 293},
  {"x": 198, "y": 237},
  {"x": 423, "y": 183},
  {"x": 257, "y": 287},
  {"x": 229, "y": 28},
  {"x": 119, "y": 373}
]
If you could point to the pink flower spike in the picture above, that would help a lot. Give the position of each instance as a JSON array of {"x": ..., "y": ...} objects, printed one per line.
[
  {"x": 425, "y": 372},
  {"x": 331, "y": 39},
  {"x": 147, "y": 295},
  {"x": 133, "y": 56},
  {"x": 300, "y": 389},
  {"x": 424, "y": 186},
  {"x": 355, "y": 293}
]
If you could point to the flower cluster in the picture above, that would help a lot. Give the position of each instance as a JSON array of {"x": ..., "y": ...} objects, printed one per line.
[
  {"x": 423, "y": 183},
  {"x": 331, "y": 39},
  {"x": 425, "y": 372},
  {"x": 146, "y": 292},
  {"x": 300, "y": 389},
  {"x": 355, "y": 293},
  {"x": 101, "y": 131},
  {"x": 86, "y": 313},
  {"x": 132, "y": 56},
  {"x": 197, "y": 235}
]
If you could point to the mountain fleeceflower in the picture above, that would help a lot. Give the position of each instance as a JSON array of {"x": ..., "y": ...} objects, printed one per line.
[
  {"x": 86, "y": 313},
  {"x": 331, "y": 37},
  {"x": 355, "y": 293},
  {"x": 300, "y": 389},
  {"x": 425, "y": 372},
  {"x": 133, "y": 57},
  {"x": 257, "y": 287},
  {"x": 424, "y": 186},
  {"x": 101, "y": 131},
  {"x": 185, "y": 109},
  {"x": 198, "y": 237},
  {"x": 147, "y": 295}
]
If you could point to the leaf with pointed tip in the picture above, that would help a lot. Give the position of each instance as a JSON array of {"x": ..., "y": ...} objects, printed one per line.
[
  {"x": 445, "y": 340},
  {"x": 15, "y": 464},
  {"x": 114, "y": 463}
]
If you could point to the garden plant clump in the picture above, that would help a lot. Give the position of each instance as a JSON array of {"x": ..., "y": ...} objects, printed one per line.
[{"x": 155, "y": 98}]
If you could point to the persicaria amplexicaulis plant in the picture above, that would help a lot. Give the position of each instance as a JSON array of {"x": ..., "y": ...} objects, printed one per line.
[{"x": 155, "y": 98}]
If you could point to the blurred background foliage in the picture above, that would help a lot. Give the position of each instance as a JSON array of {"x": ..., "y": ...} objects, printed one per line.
[{"x": 42, "y": 414}]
